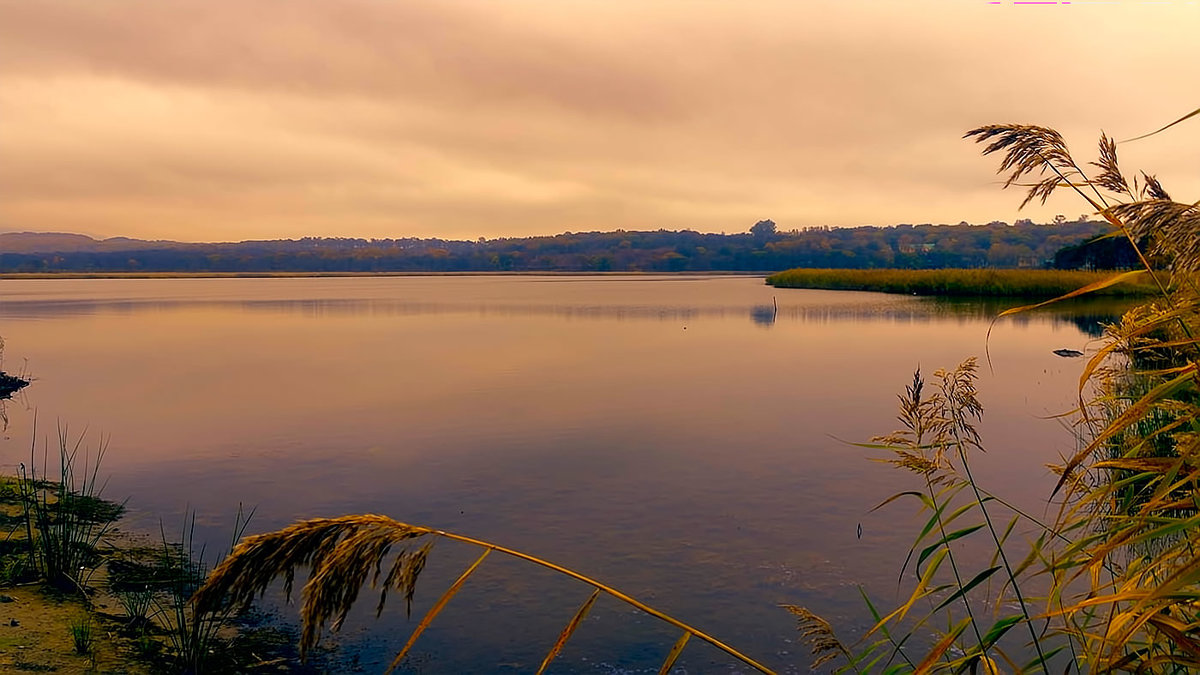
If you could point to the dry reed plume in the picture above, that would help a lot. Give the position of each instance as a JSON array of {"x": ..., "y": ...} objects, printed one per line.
[
  {"x": 344, "y": 554},
  {"x": 1111, "y": 583}
]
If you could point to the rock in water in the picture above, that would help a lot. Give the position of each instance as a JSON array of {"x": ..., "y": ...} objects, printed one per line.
[{"x": 1068, "y": 353}]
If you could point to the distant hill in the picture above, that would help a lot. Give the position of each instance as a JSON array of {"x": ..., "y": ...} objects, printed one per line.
[
  {"x": 45, "y": 242},
  {"x": 764, "y": 248},
  {"x": 63, "y": 242}
]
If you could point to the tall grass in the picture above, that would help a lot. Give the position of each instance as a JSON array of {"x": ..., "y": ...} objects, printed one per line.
[
  {"x": 65, "y": 518},
  {"x": 193, "y": 633},
  {"x": 83, "y": 634},
  {"x": 1110, "y": 581},
  {"x": 956, "y": 282}
]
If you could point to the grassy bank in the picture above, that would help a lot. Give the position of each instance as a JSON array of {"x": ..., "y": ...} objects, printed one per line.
[
  {"x": 957, "y": 282},
  {"x": 77, "y": 595}
]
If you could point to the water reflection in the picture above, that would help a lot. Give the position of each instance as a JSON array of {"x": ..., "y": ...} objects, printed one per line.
[
  {"x": 1092, "y": 325},
  {"x": 764, "y": 314},
  {"x": 573, "y": 418},
  {"x": 1090, "y": 316}
]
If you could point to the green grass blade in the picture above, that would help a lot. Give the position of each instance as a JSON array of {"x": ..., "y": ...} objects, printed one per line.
[
  {"x": 898, "y": 495},
  {"x": 945, "y": 541},
  {"x": 979, "y": 578},
  {"x": 998, "y": 629},
  {"x": 1042, "y": 661}
]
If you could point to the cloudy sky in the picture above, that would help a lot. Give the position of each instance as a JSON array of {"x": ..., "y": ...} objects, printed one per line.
[{"x": 237, "y": 119}]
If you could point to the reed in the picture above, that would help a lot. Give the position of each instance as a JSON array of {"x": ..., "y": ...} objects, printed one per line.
[
  {"x": 958, "y": 282},
  {"x": 1111, "y": 581},
  {"x": 136, "y": 603},
  {"x": 83, "y": 634},
  {"x": 65, "y": 519},
  {"x": 193, "y": 634},
  {"x": 344, "y": 554}
]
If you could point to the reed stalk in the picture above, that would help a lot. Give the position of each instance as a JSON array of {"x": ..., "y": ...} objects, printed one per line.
[{"x": 343, "y": 553}]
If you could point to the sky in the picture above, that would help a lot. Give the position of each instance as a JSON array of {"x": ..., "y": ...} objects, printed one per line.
[{"x": 215, "y": 120}]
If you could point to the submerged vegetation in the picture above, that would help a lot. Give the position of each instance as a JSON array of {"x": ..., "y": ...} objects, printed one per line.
[{"x": 958, "y": 282}]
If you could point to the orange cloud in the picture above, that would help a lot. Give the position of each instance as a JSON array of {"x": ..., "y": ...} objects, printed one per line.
[{"x": 222, "y": 119}]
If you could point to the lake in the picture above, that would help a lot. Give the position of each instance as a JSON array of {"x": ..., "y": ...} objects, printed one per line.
[{"x": 682, "y": 438}]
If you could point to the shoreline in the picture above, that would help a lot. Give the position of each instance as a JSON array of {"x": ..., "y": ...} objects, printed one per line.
[
  {"x": 965, "y": 283},
  {"x": 128, "y": 610},
  {"x": 306, "y": 275}
]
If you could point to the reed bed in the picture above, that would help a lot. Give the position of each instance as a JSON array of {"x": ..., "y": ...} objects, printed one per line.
[
  {"x": 1109, "y": 579},
  {"x": 958, "y": 282}
]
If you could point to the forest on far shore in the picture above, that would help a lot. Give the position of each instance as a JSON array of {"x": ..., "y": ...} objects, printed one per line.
[{"x": 765, "y": 247}]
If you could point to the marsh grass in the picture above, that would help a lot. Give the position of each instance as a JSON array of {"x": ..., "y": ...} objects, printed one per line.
[
  {"x": 83, "y": 635},
  {"x": 154, "y": 585},
  {"x": 65, "y": 519},
  {"x": 1110, "y": 581},
  {"x": 194, "y": 636},
  {"x": 56, "y": 538},
  {"x": 958, "y": 282},
  {"x": 136, "y": 603}
]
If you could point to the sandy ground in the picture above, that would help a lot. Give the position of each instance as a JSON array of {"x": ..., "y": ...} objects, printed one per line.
[
  {"x": 35, "y": 636},
  {"x": 36, "y": 622}
]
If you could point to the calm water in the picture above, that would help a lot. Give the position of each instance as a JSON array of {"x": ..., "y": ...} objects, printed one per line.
[{"x": 676, "y": 437}]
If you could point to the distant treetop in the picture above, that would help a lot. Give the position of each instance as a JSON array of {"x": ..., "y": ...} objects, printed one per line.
[{"x": 763, "y": 249}]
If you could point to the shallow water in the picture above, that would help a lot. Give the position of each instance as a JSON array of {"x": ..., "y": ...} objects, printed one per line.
[{"x": 682, "y": 438}]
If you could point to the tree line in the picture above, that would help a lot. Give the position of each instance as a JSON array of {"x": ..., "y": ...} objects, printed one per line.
[{"x": 764, "y": 248}]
